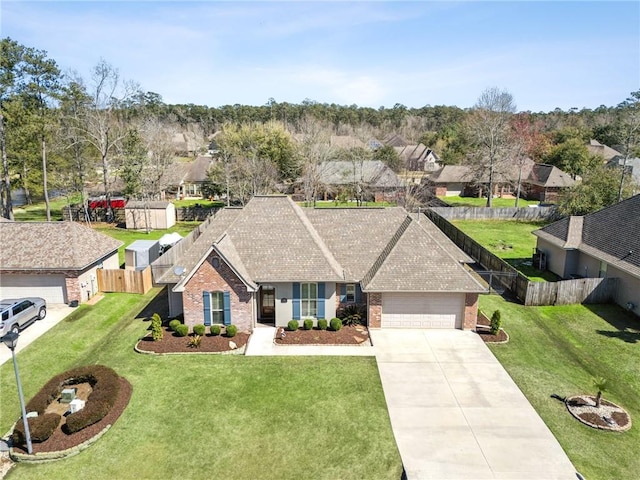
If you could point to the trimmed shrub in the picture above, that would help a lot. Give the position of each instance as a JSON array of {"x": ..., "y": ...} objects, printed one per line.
[
  {"x": 293, "y": 325},
  {"x": 496, "y": 322},
  {"x": 174, "y": 323},
  {"x": 322, "y": 323},
  {"x": 216, "y": 329},
  {"x": 182, "y": 330},
  {"x": 156, "y": 327},
  {"x": 40, "y": 428},
  {"x": 307, "y": 324},
  {"x": 231, "y": 330},
  {"x": 194, "y": 342},
  {"x": 335, "y": 324},
  {"x": 199, "y": 329}
]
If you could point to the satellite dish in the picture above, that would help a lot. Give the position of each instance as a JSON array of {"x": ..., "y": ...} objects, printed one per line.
[{"x": 178, "y": 270}]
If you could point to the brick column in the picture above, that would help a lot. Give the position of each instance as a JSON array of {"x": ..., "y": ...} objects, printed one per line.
[
  {"x": 375, "y": 310},
  {"x": 470, "y": 311},
  {"x": 73, "y": 289}
]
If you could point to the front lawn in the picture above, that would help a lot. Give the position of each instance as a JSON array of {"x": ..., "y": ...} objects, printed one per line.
[
  {"x": 510, "y": 240},
  {"x": 499, "y": 202},
  {"x": 559, "y": 350},
  {"x": 211, "y": 416}
]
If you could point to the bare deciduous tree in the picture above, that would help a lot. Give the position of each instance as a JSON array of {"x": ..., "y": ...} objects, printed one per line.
[{"x": 489, "y": 129}]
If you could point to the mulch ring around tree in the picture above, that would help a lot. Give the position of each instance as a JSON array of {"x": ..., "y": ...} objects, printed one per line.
[
  {"x": 348, "y": 335},
  {"x": 483, "y": 328},
  {"x": 60, "y": 441},
  {"x": 608, "y": 417},
  {"x": 171, "y": 343}
]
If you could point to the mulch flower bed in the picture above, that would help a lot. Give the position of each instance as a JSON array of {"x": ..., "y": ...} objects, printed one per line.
[
  {"x": 59, "y": 440},
  {"x": 483, "y": 329},
  {"x": 608, "y": 417},
  {"x": 355, "y": 335},
  {"x": 171, "y": 343}
]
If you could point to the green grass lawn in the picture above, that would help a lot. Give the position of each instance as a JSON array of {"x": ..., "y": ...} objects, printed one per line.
[
  {"x": 38, "y": 212},
  {"x": 129, "y": 236},
  {"x": 457, "y": 201},
  {"x": 510, "y": 240},
  {"x": 211, "y": 416},
  {"x": 560, "y": 350},
  {"x": 192, "y": 202}
]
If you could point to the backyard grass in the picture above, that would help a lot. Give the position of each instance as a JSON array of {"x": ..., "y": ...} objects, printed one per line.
[
  {"x": 457, "y": 201},
  {"x": 347, "y": 204},
  {"x": 211, "y": 416},
  {"x": 38, "y": 212},
  {"x": 202, "y": 202},
  {"x": 129, "y": 236},
  {"x": 510, "y": 240},
  {"x": 559, "y": 350}
]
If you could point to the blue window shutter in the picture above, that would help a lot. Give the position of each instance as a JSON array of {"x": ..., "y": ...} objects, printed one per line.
[
  {"x": 320, "y": 300},
  {"x": 343, "y": 293},
  {"x": 226, "y": 298},
  {"x": 296, "y": 300},
  {"x": 358, "y": 293},
  {"x": 206, "y": 301}
]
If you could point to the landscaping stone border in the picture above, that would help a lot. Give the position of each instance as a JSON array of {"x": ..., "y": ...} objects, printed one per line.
[
  {"x": 588, "y": 406},
  {"x": 44, "y": 457},
  {"x": 237, "y": 351}
]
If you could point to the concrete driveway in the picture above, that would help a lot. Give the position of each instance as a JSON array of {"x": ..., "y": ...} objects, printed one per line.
[
  {"x": 457, "y": 414},
  {"x": 55, "y": 314}
]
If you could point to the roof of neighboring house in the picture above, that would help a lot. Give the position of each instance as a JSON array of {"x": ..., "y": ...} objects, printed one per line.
[
  {"x": 142, "y": 205},
  {"x": 198, "y": 170},
  {"x": 395, "y": 140},
  {"x": 604, "y": 151},
  {"x": 610, "y": 234},
  {"x": 371, "y": 172},
  {"x": 346, "y": 141},
  {"x": 272, "y": 239},
  {"x": 52, "y": 246},
  {"x": 452, "y": 174},
  {"x": 418, "y": 152},
  {"x": 548, "y": 176}
]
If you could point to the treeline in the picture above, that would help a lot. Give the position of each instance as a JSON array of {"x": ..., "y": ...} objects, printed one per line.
[{"x": 61, "y": 131}]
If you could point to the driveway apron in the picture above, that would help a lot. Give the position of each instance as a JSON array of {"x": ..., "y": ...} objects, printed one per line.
[{"x": 457, "y": 414}]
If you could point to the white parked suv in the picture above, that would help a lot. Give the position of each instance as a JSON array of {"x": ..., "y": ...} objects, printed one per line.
[{"x": 16, "y": 313}]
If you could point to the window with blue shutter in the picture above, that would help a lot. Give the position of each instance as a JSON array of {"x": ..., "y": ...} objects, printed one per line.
[
  {"x": 296, "y": 300},
  {"x": 358, "y": 293},
  {"x": 321, "y": 290},
  {"x": 227, "y": 308},
  {"x": 206, "y": 302},
  {"x": 343, "y": 293}
]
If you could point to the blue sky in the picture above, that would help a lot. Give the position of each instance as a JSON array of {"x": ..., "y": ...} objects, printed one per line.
[{"x": 547, "y": 54}]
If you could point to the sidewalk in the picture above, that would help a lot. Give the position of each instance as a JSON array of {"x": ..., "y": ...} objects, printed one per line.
[{"x": 262, "y": 343}]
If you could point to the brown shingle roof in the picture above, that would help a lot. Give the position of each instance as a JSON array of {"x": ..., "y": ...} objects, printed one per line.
[{"x": 52, "y": 246}]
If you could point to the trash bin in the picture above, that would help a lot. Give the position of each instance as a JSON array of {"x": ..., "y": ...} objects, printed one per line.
[{"x": 73, "y": 303}]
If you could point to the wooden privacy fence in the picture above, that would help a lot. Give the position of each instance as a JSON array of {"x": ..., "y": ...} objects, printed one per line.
[
  {"x": 564, "y": 292},
  {"x": 124, "y": 281}
]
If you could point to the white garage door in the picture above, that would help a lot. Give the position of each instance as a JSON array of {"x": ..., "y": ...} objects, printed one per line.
[
  {"x": 50, "y": 287},
  {"x": 426, "y": 310}
]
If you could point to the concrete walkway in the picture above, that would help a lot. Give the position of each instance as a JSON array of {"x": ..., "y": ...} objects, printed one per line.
[
  {"x": 261, "y": 344},
  {"x": 457, "y": 414},
  {"x": 55, "y": 314}
]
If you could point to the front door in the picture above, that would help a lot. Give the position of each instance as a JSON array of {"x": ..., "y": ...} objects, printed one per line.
[{"x": 267, "y": 304}]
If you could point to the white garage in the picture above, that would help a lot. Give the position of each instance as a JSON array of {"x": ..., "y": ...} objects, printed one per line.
[
  {"x": 50, "y": 287},
  {"x": 422, "y": 310}
]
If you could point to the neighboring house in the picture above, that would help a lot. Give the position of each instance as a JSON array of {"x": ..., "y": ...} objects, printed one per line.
[
  {"x": 601, "y": 244},
  {"x": 273, "y": 261},
  {"x": 632, "y": 166},
  {"x": 418, "y": 158},
  {"x": 346, "y": 142},
  {"x": 376, "y": 180},
  {"x": 144, "y": 215},
  {"x": 186, "y": 179},
  {"x": 185, "y": 143},
  {"x": 53, "y": 260},
  {"x": 539, "y": 181},
  {"x": 607, "y": 153}
]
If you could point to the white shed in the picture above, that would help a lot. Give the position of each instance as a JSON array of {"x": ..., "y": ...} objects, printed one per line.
[{"x": 141, "y": 215}]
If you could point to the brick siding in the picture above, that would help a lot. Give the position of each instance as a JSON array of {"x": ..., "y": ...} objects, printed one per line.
[
  {"x": 211, "y": 279},
  {"x": 375, "y": 310},
  {"x": 470, "y": 311}
]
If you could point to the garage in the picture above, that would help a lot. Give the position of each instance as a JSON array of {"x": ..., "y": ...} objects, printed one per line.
[
  {"x": 50, "y": 287},
  {"x": 422, "y": 310}
]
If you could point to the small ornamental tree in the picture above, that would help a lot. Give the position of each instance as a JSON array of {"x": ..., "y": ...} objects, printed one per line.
[
  {"x": 496, "y": 322},
  {"x": 600, "y": 383},
  {"x": 156, "y": 327}
]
